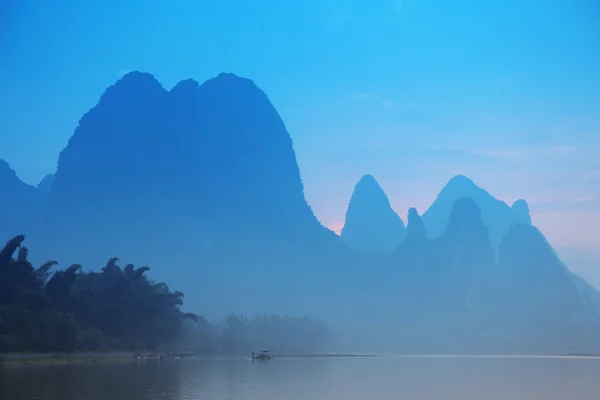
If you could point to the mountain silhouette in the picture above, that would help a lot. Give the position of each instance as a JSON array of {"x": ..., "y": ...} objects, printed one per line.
[
  {"x": 208, "y": 169},
  {"x": 105, "y": 188},
  {"x": 414, "y": 248},
  {"x": 45, "y": 185},
  {"x": 249, "y": 178},
  {"x": 371, "y": 226},
  {"x": 468, "y": 257},
  {"x": 415, "y": 230},
  {"x": 585, "y": 263},
  {"x": 20, "y": 204},
  {"x": 589, "y": 293},
  {"x": 497, "y": 215},
  {"x": 202, "y": 183},
  {"x": 452, "y": 292},
  {"x": 520, "y": 210},
  {"x": 537, "y": 297}
]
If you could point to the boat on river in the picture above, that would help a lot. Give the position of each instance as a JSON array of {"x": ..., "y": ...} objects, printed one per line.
[{"x": 263, "y": 355}]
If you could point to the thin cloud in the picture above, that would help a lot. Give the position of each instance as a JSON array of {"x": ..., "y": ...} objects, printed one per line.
[
  {"x": 552, "y": 151},
  {"x": 564, "y": 215},
  {"x": 582, "y": 205},
  {"x": 580, "y": 199}
]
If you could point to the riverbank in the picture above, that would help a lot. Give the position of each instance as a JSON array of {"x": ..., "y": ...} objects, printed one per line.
[
  {"x": 34, "y": 359},
  {"x": 19, "y": 359}
]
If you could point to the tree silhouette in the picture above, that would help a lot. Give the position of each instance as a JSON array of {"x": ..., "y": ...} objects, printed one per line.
[
  {"x": 121, "y": 309},
  {"x": 71, "y": 310}
]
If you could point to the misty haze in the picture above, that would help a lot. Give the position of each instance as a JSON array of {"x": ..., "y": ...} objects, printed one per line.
[{"x": 319, "y": 200}]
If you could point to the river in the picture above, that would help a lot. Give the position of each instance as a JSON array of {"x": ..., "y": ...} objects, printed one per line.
[{"x": 378, "y": 378}]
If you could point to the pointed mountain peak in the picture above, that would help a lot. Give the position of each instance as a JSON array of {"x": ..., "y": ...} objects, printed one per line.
[
  {"x": 458, "y": 188},
  {"x": 368, "y": 194},
  {"x": 368, "y": 183},
  {"x": 520, "y": 210},
  {"x": 185, "y": 86},
  {"x": 460, "y": 184},
  {"x": 413, "y": 216},
  {"x": 136, "y": 97},
  {"x": 371, "y": 226},
  {"x": 367, "y": 179},
  {"x": 231, "y": 93},
  {"x": 461, "y": 180},
  {"x": 229, "y": 81},
  {"x": 132, "y": 86},
  {"x": 495, "y": 213},
  {"x": 138, "y": 79},
  {"x": 415, "y": 229}
]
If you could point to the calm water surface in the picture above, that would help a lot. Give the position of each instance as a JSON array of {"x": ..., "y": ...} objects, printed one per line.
[{"x": 312, "y": 378}]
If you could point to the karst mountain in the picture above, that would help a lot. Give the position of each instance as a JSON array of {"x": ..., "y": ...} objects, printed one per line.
[{"x": 201, "y": 183}]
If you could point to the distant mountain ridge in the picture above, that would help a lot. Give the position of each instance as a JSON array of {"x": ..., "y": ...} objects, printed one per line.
[
  {"x": 585, "y": 262},
  {"x": 206, "y": 175},
  {"x": 497, "y": 215},
  {"x": 20, "y": 204}
]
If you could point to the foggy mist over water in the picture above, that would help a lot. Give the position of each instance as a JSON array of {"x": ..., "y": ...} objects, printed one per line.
[{"x": 382, "y": 177}]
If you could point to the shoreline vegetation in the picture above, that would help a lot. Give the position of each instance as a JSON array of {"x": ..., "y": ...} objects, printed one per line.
[
  {"x": 50, "y": 315},
  {"x": 57, "y": 359},
  {"x": 44, "y": 310},
  {"x": 120, "y": 315},
  {"x": 39, "y": 359}
]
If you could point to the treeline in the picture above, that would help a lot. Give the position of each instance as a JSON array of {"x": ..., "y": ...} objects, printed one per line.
[
  {"x": 237, "y": 335},
  {"x": 71, "y": 310}
]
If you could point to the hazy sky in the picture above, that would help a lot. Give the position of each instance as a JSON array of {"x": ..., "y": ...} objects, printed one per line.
[{"x": 413, "y": 91}]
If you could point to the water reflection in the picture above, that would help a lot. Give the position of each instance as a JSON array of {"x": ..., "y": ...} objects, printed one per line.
[
  {"x": 102, "y": 381},
  {"x": 320, "y": 379}
]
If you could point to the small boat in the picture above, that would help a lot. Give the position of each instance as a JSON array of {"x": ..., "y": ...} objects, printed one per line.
[{"x": 263, "y": 355}]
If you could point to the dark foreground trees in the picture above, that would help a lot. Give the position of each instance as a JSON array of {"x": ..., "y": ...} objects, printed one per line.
[{"x": 71, "y": 310}]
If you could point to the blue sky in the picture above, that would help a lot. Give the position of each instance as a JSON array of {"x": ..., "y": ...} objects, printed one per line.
[{"x": 413, "y": 91}]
